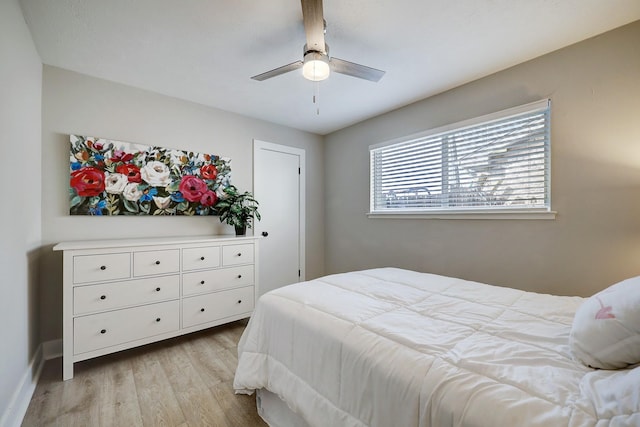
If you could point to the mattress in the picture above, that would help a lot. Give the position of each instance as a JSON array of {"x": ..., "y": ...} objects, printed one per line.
[{"x": 392, "y": 347}]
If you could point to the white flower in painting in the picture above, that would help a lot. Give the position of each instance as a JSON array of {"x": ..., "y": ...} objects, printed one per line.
[
  {"x": 220, "y": 192},
  {"x": 162, "y": 202},
  {"x": 131, "y": 192},
  {"x": 156, "y": 174},
  {"x": 177, "y": 157},
  {"x": 115, "y": 182}
]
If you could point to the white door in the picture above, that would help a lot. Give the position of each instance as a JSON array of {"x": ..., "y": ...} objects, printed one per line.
[{"x": 278, "y": 186}]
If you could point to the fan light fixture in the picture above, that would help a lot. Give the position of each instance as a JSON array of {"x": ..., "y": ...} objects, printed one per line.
[{"x": 316, "y": 66}]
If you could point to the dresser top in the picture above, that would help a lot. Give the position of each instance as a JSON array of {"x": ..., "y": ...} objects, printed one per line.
[{"x": 114, "y": 243}]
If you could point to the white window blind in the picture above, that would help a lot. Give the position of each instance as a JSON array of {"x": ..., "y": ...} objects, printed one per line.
[{"x": 495, "y": 162}]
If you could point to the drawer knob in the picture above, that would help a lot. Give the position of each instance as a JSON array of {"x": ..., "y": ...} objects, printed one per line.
[
  {"x": 103, "y": 331},
  {"x": 239, "y": 301},
  {"x": 201, "y": 258},
  {"x": 158, "y": 319},
  {"x": 202, "y": 282},
  {"x": 103, "y": 297},
  {"x": 239, "y": 253},
  {"x": 103, "y": 267},
  {"x": 202, "y": 309},
  {"x": 157, "y": 289},
  {"x": 157, "y": 262},
  {"x": 239, "y": 276}
]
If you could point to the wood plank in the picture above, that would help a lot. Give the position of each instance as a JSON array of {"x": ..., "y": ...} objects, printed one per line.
[
  {"x": 81, "y": 396},
  {"x": 198, "y": 404},
  {"x": 45, "y": 404},
  {"x": 158, "y": 403},
  {"x": 225, "y": 339},
  {"x": 204, "y": 359},
  {"x": 239, "y": 409},
  {"x": 230, "y": 359},
  {"x": 119, "y": 404},
  {"x": 185, "y": 382}
]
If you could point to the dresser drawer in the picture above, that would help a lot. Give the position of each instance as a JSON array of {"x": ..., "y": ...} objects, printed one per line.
[
  {"x": 107, "y": 296},
  {"x": 116, "y": 327},
  {"x": 215, "y": 280},
  {"x": 199, "y": 258},
  {"x": 97, "y": 268},
  {"x": 237, "y": 254},
  {"x": 156, "y": 262},
  {"x": 217, "y": 305}
]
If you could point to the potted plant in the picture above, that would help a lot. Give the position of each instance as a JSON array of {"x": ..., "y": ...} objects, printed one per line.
[{"x": 237, "y": 209}]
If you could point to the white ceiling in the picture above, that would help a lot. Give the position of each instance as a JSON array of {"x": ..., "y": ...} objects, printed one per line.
[{"x": 206, "y": 51}]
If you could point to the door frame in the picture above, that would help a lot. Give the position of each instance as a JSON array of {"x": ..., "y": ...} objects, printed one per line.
[{"x": 263, "y": 145}]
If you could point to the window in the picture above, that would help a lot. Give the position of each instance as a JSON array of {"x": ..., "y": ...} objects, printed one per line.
[{"x": 497, "y": 163}]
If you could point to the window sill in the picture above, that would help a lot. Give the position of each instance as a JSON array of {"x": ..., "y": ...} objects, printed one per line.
[{"x": 470, "y": 214}]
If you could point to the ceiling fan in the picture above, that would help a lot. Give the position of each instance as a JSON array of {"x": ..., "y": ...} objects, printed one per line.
[{"x": 317, "y": 64}]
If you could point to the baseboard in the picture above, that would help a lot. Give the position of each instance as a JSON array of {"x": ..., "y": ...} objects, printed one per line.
[
  {"x": 51, "y": 349},
  {"x": 20, "y": 400}
]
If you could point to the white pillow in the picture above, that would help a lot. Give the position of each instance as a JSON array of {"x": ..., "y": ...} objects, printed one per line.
[{"x": 606, "y": 328}]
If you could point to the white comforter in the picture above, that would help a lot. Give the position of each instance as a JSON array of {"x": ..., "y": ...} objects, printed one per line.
[{"x": 390, "y": 347}]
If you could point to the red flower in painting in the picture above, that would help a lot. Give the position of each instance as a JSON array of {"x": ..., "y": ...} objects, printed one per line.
[
  {"x": 121, "y": 156},
  {"x": 209, "y": 171},
  {"x": 209, "y": 198},
  {"x": 192, "y": 188},
  {"x": 97, "y": 145},
  {"x": 88, "y": 181},
  {"x": 132, "y": 172}
]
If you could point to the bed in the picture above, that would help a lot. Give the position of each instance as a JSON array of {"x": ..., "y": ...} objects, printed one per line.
[{"x": 393, "y": 347}]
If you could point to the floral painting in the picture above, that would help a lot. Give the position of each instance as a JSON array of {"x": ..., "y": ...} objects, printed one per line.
[{"x": 120, "y": 178}]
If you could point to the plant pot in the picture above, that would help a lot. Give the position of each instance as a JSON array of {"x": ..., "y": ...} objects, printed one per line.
[{"x": 241, "y": 230}]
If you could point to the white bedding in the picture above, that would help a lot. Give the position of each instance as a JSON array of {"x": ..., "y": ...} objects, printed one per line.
[{"x": 390, "y": 347}]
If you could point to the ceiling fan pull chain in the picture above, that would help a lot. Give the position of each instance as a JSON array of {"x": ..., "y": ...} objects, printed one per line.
[{"x": 316, "y": 97}]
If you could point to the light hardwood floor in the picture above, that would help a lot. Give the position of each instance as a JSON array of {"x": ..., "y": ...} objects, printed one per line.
[{"x": 185, "y": 381}]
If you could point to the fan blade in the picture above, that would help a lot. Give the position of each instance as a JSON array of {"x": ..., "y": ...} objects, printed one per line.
[
  {"x": 355, "y": 70},
  {"x": 278, "y": 71},
  {"x": 313, "y": 24}
]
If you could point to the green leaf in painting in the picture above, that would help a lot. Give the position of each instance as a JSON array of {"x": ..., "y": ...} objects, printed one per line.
[
  {"x": 131, "y": 206},
  {"x": 75, "y": 201},
  {"x": 112, "y": 204},
  {"x": 173, "y": 187}
]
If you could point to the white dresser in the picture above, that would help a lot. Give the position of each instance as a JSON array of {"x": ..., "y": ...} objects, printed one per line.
[{"x": 119, "y": 294}]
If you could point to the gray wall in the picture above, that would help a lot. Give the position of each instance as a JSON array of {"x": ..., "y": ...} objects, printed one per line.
[
  {"x": 76, "y": 103},
  {"x": 20, "y": 231},
  {"x": 594, "y": 241}
]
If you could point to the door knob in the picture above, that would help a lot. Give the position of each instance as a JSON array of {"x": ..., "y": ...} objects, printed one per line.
[{"x": 265, "y": 234}]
